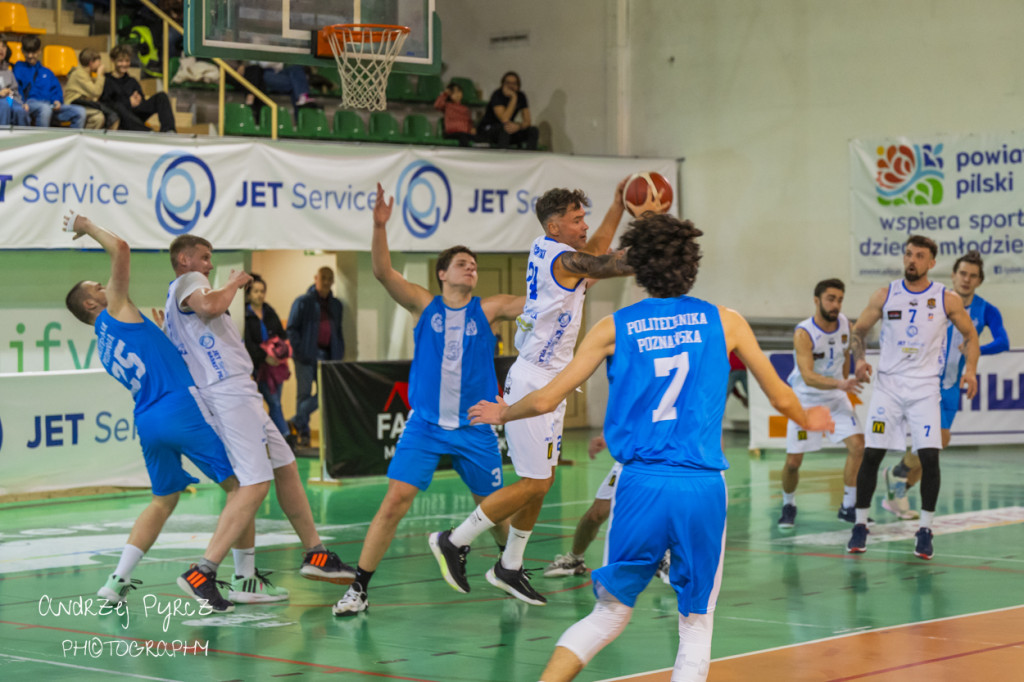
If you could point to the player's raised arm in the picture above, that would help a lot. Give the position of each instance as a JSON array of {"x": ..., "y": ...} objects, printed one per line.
[
  {"x": 859, "y": 332},
  {"x": 739, "y": 337},
  {"x": 597, "y": 345},
  {"x": 502, "y": 307},
  {"x": 412, "y": 297},
  {"x": 972, "y": 351},
  {"x": 119, "y": 305},
  {"x": 602, "y": 238},
  {"x": 214, "y": 302}
]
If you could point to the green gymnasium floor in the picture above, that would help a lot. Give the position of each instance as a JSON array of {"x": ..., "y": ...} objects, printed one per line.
[{"x": 779, "y": 588}]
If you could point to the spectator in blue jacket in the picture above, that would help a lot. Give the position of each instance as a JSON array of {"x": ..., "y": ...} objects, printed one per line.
[
  {"x": 314, "y": 330},
  {"x": 41, "y": 90}
]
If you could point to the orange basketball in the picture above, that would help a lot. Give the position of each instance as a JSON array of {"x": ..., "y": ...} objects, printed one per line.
[{"x": 643, "y": 185}]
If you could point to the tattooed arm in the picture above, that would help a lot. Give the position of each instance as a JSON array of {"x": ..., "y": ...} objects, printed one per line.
[{"x": 572, "y": 266}]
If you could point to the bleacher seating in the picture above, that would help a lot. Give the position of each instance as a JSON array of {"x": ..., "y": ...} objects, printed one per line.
[
  {"x": 348, "y": 126},
  {"x": 14, "y": 19},
  {"x": 60, "y": 59},
  {"x": 16, "y": 54},
  {"x": 239, "y": 120},
  {"x": 313, "y": 124}
]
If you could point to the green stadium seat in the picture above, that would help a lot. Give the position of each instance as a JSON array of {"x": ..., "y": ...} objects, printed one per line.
[
  {"x": 470, "y": 95},
  {"x": 239, "y": 120},
  {"x": 331, "y": 74},
  {"x": 285, "y": 127},
  {"x": 401, "y": 88},
  {"x": 348, "y": 125},
  {"x": 416, "y": 129},
  {"x": 384, "y": 128},
  {"x": 313, "y": 124},
  {"x": 428, "y": 88}
]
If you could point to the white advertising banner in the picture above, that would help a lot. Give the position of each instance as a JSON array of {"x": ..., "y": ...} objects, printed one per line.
[
  {"x": 261, "y": 195},
  {"x": 62, "y": 430},
  {"x": 995, "y": 415},
  {"x": 966, "y": 192}
]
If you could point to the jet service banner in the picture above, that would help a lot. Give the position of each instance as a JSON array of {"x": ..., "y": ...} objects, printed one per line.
[{"x": 246, "y": 194}]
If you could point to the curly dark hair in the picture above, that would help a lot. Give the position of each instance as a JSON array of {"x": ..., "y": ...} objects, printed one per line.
[
  {"x": 555, "y": 202},
  {"x": 663, "y": 253}
]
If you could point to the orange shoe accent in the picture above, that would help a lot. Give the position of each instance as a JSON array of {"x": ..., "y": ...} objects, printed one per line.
[{"x": 196, "y": 579}]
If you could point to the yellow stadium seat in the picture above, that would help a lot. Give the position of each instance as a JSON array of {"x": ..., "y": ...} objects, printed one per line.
[
  {"x": 14, "y": 19},
  {"x": 60, "y": 59},
  {"x": 16, "y": 54}
]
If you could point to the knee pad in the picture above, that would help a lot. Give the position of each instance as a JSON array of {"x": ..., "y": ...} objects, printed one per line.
[
  {"x": 588, "y": 636},
  {"x": 694, "y": 657}
]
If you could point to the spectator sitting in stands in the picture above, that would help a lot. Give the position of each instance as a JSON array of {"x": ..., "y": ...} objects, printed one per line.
[
  {"x": 458, "y": 123},
  {"x": 42, "y": 91},
  {"x": 123, "y": 94},
  {"x": 499, "y": 126},
  {"x": 289, "y": 79},
  {"x": 12, "y": 109},
  {"x": 85, "y": 87}
]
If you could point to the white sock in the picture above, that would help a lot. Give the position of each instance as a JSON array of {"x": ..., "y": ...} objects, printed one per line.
[
  {"x": 476, "y": 523},
  {"x": 245, "y": 562},
  {"x": 512, "y": 557},
  {"x": 849, "y": 496},
  {"x": 130, "y": 558},
  {"x": 862, "y": 515},
  {"x": 789, "y": 498},
  {"x": 927, "y": 518},
  {"x": 694, "y": 657}
]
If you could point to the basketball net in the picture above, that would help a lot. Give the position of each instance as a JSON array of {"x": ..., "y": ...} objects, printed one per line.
[{"x": 365, "y": 54}]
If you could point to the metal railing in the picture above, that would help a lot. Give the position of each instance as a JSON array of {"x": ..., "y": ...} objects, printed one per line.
[{"x": 221, "y": 64}]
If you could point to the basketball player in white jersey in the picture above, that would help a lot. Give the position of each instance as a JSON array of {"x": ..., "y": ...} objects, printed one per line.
[
  {"x": 821, "y": 348},
  {"x": 914, "y": 313},
  {"x": 197, "y": 322},
  {"x": 561, "y": 260}
]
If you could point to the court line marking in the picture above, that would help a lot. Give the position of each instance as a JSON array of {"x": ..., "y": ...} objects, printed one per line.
[
  {"x": 826, "y": 639},
  {"x": 83, "y": 667}
]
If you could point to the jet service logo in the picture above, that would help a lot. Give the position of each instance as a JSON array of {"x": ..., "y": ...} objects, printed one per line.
[
  {"x": 909, "y": 175},
  {"x": 183, "y": 190},
  {"x": 424, "y": 196}
]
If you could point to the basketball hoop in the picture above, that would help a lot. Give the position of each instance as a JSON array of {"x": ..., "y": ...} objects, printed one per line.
[{"x": 365, "y": 54}]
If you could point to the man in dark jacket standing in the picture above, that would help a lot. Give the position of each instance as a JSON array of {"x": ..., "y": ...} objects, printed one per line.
[{"x": 314, "y": 329}]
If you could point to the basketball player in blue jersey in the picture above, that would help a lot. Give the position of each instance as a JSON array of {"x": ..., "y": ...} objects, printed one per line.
[
  {"x": 561, "y": 263},
  {"x": 452, "y": 369},
  {"x": 914, "y": 312},
  {"x": 968, "y": 274},
  {"x": 821, "y": 350},
  {"x": 170, "y": 423},
  {"x": 668, "y": 365}
]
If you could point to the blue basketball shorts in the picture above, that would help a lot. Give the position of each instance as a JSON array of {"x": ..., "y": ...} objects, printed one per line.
[
  {"x": 950, "y": 405},
  {"x": 473, "y": 449},
  {"x": 172, "y": 427},
  {"x": 653, "y": 511}
]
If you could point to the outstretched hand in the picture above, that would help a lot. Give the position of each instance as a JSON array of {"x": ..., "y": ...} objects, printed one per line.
[
  {"x": 819, "y": 418},
  {"x": 73, "y": 222},
  {"x": 382, "y": 209},
  {"x": 851, "y": 385},
  {"x": 488, "y": 413},
  {"x": 862, "y": 371},
  {"x": 239, "y": 278}
]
